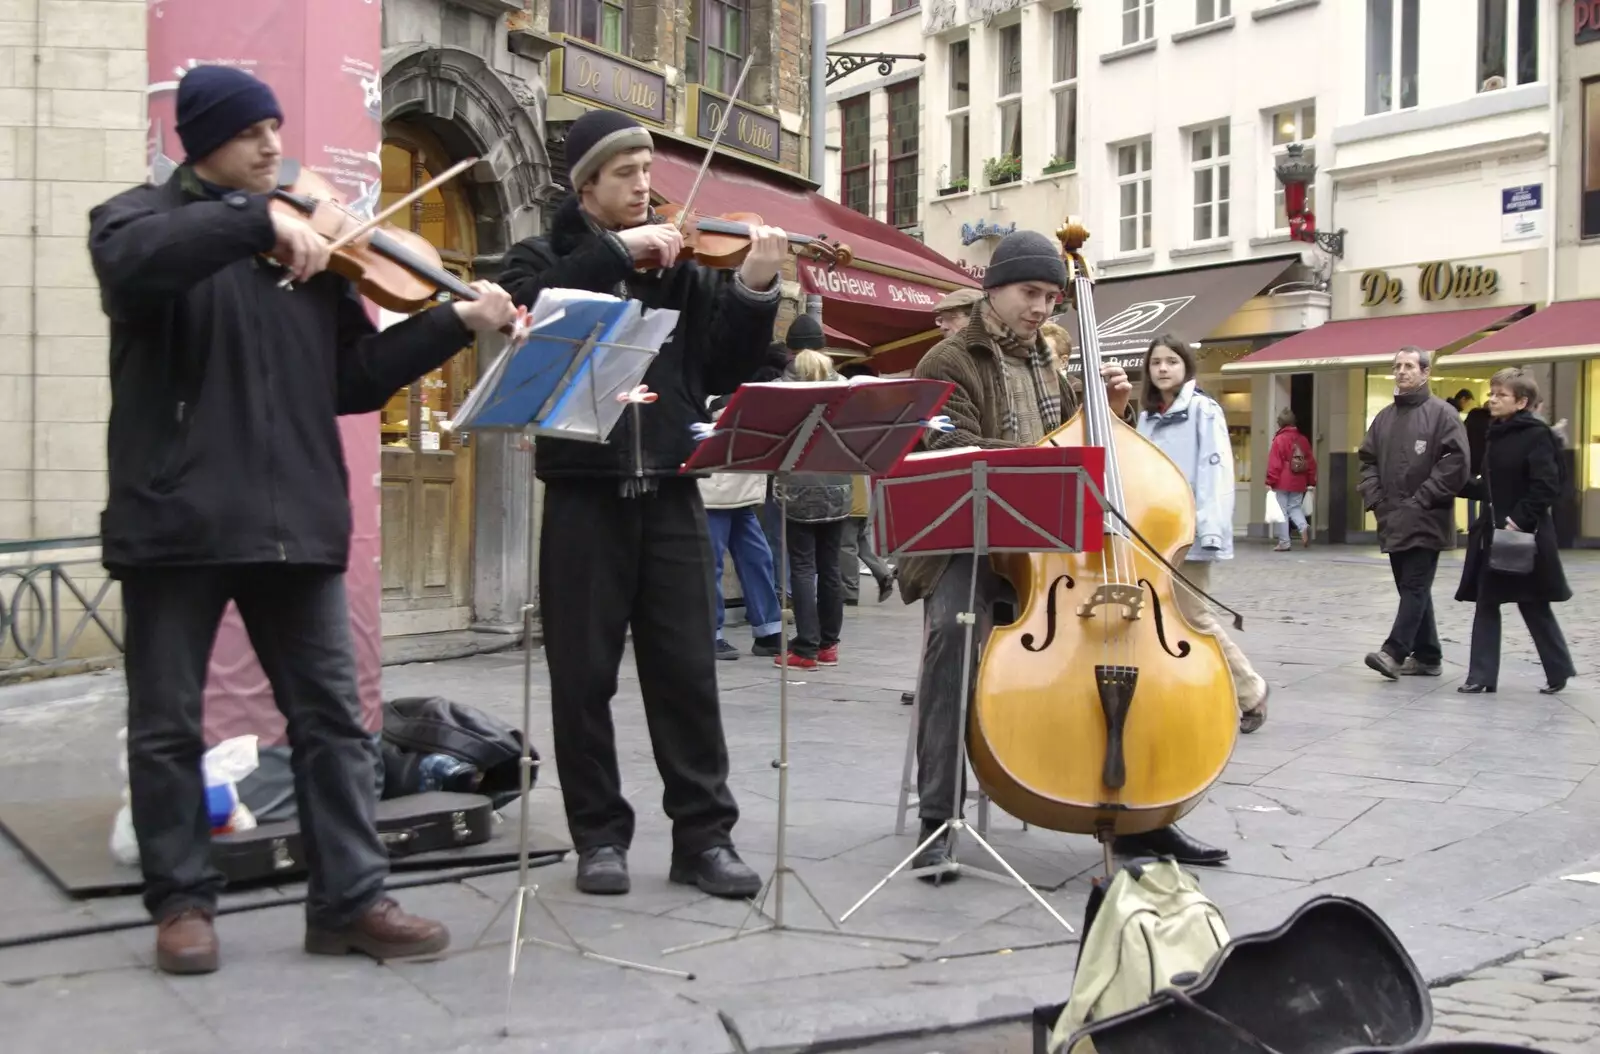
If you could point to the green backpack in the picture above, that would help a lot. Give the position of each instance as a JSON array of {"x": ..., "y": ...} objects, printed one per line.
[{"x": 1152, "y": 925}]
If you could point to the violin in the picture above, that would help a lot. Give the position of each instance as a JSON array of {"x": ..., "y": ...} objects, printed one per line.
[
  {"x": 1101, "y": 710},
  {"x": 395, "y": 268},
  {"x": 724, "y": 241}
]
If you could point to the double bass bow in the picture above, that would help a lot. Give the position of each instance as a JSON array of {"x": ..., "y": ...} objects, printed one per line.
[{"x": 1102, "y": 711}]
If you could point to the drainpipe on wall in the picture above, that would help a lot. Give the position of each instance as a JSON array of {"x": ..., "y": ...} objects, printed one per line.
[
  {"x": 33, "y": 280},
  {"x": 1552, "y": 49},
  {"x": 819, "y": 114}
]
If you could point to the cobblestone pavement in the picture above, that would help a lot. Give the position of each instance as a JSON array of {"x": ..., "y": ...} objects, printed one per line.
[{"x": 1457, "y": 818}]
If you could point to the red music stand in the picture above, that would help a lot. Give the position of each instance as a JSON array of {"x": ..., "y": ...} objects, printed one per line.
[
  {"x": 977, "y": 501},
  {"x": 861, "y": 427}
]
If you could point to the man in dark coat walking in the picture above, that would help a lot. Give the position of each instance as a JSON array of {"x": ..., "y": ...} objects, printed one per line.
[
  {"x": 627, "y": 545},
  {"x": 1413, "y": 464},
  {"x": 228, "y": 482}
]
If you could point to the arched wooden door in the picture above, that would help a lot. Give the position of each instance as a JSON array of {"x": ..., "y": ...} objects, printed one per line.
[{"x": 427, "y": 471}]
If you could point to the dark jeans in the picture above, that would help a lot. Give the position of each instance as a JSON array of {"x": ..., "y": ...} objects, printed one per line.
[
  {"x": 856, "y": 549},
  {"x": 1414, "y": 632},
  {"x": 818, "y": 593},
  {"x": 299, "y": 625},
  {"x": 1483, "y": 665},
  {"x": 608, "y": 563}
]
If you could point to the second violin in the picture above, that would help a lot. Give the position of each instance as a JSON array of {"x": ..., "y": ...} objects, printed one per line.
[{"x": 723, "y": 241}]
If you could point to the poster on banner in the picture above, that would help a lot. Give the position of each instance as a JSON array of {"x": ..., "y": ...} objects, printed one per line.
[{"x": 304, "y": 50}]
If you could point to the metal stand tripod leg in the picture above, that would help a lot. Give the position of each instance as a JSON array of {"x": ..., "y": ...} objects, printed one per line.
[
  {"x": 774, "y": 884},
  {"x": 525, "y": 890},
  {"x": 958, "y": 822}
]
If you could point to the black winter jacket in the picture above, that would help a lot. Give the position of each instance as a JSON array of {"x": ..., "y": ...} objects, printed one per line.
[
  {"x": 1522, "y": 480},
  {"x": 223, "y": 441},
  {"x": 1414, "y": 461},
  {"x": 720, "y": 341}
]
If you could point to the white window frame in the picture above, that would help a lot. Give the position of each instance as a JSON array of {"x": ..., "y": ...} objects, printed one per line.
[
  {"x": 1059, "y": 22},
  {"x": 1276, "y": 151},
  {"x": 1512, "y": 42},
  {"x": 1220, "y": 165},
  {"x": 1001, "y": 102},
  {"x": 1209, "y": 11},
  {"x": 953, "y": 113},
  {"x": 1397, "y": 51},
  {"x": 1138, "y": 21},
  {"x": 1143, "y": 151}
]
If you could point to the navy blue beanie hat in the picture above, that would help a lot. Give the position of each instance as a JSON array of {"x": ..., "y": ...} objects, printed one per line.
[{"x": 216, "y": 103}]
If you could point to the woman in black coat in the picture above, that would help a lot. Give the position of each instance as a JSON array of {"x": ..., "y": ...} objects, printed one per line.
[{"x": 1520, "y": 481}]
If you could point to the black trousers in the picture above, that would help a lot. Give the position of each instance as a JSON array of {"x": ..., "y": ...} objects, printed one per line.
[
  {"x": 1483, "y": 665},
  {"x": 1414, "y": 631},
  {"x": 818, "y": 589},
  {"x": 609, "y": 563},
  {"x": 299, "y": 625}
]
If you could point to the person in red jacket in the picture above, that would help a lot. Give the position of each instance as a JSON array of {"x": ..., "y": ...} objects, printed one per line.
[{"x": 1291, "y": 469}]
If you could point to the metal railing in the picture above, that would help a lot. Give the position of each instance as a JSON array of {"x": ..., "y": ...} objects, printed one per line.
[{"x": 53, "y": 594}]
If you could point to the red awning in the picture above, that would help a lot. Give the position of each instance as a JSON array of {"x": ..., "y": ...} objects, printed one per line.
[
  {"x": 883, "y": 301},
  {"x": 1567, "y": 329},
  {"x": 1369, "y": 341}
]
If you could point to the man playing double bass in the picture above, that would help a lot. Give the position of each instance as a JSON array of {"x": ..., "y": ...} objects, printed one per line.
[{"x": 1010, "y": 391}]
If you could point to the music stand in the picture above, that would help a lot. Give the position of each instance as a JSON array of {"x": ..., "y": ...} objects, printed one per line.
[
  {"x": 859, "y": 427},
  {"x": 979, "y": 502},
  {"x": 572, "y": 367}
]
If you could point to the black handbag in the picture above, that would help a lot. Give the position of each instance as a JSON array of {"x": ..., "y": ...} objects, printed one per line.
[{"x": 1510, "y": 552}]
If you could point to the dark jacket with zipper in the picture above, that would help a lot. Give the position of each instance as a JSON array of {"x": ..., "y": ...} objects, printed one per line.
[
  {"x": 1522, "y": 481},
  {"x": 720, "y": 341},
  {"x": 1414, "y": 460},
  {"x": 223, "y": 444}
]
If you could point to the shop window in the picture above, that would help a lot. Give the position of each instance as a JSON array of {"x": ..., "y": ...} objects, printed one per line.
[
  {"x": 1508, "y": 43},
  {"x": 1138, "y": 21},
  {"x": 958, "y": 114},
  {"x": 601, "y": 22},
  {"x": 1391, "y": 69},
  {"x": 1133, "y": 196},
  {"x": 855, "y": 160},
  {"x": 1591, "y": 159},
  {"x": 1293, "y": 124},
  {"x": 1064, "y": 88},
  {"x": 1209, "y": 151},
  {"x": 716, "y": 44},
  {"x": 905, "y": 118},
  {"x": 1586, "y": 438}
]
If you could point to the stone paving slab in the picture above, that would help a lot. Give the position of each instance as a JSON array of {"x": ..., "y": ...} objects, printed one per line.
[{"x": 1452, "y": 816}]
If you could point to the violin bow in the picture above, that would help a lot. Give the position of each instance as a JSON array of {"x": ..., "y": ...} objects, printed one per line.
[
  {"x": 452, "y": 172},
  {"x": 722, "y": 126}
]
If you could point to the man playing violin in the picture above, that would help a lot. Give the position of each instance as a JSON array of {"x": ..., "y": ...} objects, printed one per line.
[
  {"x": 1010, "y": 390},
  {"x": 626, "y": 545},
  {"x": 228, "y": 482}
]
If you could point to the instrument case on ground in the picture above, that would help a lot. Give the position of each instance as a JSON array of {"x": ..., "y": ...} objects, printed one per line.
[{"x": 416, "y": 823}]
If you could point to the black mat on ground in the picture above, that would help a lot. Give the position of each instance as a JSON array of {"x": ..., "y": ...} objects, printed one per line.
[{"x": 70, "y": 841}]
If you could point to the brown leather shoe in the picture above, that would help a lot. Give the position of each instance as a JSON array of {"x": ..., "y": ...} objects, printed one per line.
[
  {"x": 384, "y": 932},
  {"x": 186, "y": 943}
]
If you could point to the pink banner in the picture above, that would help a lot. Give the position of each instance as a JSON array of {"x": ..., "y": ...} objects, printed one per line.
[{"x": 330, "y": 53}]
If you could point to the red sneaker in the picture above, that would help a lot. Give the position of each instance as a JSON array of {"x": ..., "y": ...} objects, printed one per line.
[
  {"x": 828, "y": 656},
  {"x": 796, "y": 662}
]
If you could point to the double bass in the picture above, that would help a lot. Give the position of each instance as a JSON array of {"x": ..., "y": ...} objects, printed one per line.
[{"x": 1102, "y": 711}]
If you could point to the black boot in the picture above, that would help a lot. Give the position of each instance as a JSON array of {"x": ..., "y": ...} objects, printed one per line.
[
  {"x": 1169, "y": 841},
  {"x": 935, "y": 854},
  {"x": 717, "y": 871},
  {"x": 603, "y": 870}
]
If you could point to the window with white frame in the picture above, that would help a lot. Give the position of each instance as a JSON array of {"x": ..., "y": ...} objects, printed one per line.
[
  {"x": 1064, "y": 87},
  {"x": 1392, "y": 35},
  {"x": 1138, "y": 21},
  {"x": 1508, "y": 43},
  {"x": 1009, "y": 102},
  {"x": 959, "y": 115},
  {"x": 1292, "y": 124},
  {"x": 1210, "y": 150},
  {"x": 1210, "y": 10},
  {"x": 1133, "y": 196}
]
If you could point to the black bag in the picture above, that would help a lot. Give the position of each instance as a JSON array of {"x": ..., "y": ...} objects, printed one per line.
[
  {"x": 1510, "y": 552},
  {"x": 417, "y": 823},
  {"x": 415, "y": 727}
]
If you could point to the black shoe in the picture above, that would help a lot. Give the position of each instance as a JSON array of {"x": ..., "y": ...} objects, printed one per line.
[
  {"x": 726, "y": 651},
  {"x": 1169, "y": 841},
  {"x": 767, "y": 645},
  {"x": 603, "y": 870},
  {"x": 717, "y": 871},
  {"x": 1384, "y": 663},
  {"x": 1477, "y": 689},
  {"x": 885, "y": 588},
  {"x": 1554, "y": 686},
  {"x": 936, "y": 854}
]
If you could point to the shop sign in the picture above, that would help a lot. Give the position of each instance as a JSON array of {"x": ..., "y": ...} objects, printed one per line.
[
  {"x": 1585, "y": 21},
  {"x": 749, "y": 130},
  {"x": 585, "y": 72},
  {"x": 975, "y": 270},
  {"x": 1436, "y": 281}
]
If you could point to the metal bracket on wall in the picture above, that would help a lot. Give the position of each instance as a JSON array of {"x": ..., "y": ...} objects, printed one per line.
[{"x": 843, "y": 63}]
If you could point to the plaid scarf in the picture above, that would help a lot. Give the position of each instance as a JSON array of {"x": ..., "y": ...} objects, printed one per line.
[{"x": 1041, "y": 369}]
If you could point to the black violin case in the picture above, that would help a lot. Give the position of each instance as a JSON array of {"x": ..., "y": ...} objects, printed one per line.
[{"x": 1332, "y": 979}]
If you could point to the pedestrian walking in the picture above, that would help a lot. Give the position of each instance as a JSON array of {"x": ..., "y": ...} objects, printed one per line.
[
  {"x": 732, "y": 500},
  {"x": 1191, "y": 428},
  {"x": 1291, "y": 471},
  {"x": 1414, "y": 461},
  {"x": 856, "y": 549},
  {"x": 1522, "y": 479}
]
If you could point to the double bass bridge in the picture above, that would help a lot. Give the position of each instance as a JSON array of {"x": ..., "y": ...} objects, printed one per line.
[{"x": 1129, "y": 598}]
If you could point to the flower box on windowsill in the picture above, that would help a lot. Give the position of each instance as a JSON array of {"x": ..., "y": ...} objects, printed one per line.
[
  {"x": 1000, "y": 181},
  {"x": 945, "y": 192},
  {"x": 1065, "y": 166}
]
